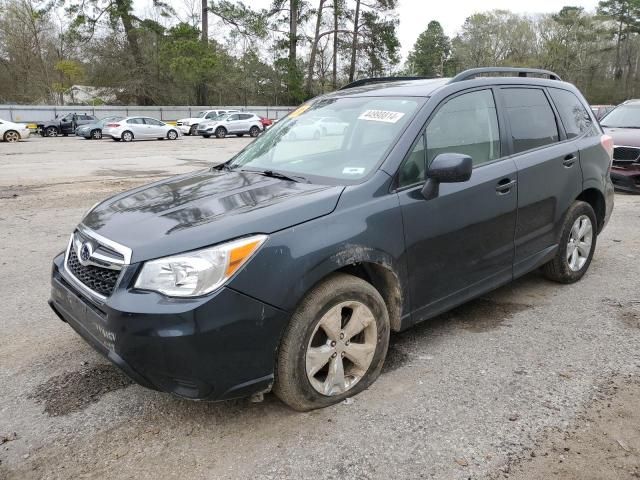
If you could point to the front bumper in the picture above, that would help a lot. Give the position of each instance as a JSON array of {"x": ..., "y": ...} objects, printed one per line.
[
  {"x": 184, "y": 129},
  {"x": 626, "y": 179},
  {"x": 216, "y": 347},
  {"x": 25, "y": 133}
]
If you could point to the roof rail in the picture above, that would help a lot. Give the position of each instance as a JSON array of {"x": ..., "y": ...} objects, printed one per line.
[
  {"x": 520, "y": 72},
  {"x": 370, "y": 81}
]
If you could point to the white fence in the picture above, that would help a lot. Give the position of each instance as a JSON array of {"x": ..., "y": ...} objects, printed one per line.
[{"x": 38, "y": 113}]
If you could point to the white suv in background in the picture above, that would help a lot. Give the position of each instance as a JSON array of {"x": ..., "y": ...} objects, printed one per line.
[
  {"x": 233, "y": 123},
  {"x": 188, "y": 126}
]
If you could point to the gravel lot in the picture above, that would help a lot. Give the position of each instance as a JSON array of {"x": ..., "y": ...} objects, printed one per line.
[{"x": 535, "y": 380}]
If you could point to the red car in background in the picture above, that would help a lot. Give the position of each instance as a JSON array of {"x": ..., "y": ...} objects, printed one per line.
[
  {"x": 266, "y": 122},
  {"x": 623, "y": 125}
]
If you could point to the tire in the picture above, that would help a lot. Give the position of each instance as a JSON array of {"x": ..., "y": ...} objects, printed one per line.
[
  {"x": 206, "y": 136},
  {"x": 193, "y": 130},
  {"x": 221, "y": 132},
  {"x": 96, "y": 134},
  {"x": 172, "y": 135},
  {"x": 126, "y": 136},
  {"x": 51, "y": 132},
  {"x": 574, "y": 254},
  {"x": 254, "y": 131},
  {"x": 11, "y": 136},
  {"x": 338, "y": 294}
]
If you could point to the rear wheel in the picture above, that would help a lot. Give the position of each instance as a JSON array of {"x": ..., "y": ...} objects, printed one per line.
[
  {"x": 11, "y": 136},
  {"x": 254, "y": 132},
  {"x": 96, "y": 134},
  {"x": 127, "y": 136},
  {"x": 335, "y": 344},
  {"x": 576, "y": 246},
  {"x": 51, "y": 132},
  {"x": 172, "y": 135},
  {"x": 221, "y": 132}
]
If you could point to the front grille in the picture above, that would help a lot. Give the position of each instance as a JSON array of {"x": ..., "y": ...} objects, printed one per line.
[
  {"x": 100, "y": 280},
  {"x": 626, "y": 154},
  {"x": 179, "y": 124}
]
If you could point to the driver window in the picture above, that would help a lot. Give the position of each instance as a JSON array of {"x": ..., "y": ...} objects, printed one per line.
[
  {"x": 466, "y": 124},
  {"x": 412, "y": 170}
]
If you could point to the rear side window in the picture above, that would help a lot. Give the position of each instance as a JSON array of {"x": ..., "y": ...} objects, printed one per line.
[
  {"x": 233, "y": 117},
  {"x": 533, "y": 124},
  {"x": 136, "y": 121}
]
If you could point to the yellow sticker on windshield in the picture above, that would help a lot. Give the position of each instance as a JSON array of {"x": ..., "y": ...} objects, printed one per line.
[{"x": 300, "y": 110}]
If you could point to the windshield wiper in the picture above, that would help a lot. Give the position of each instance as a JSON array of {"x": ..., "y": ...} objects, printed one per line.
[
  {"x": 616, "y": 126},
  {"x": 280, "y": 175}
]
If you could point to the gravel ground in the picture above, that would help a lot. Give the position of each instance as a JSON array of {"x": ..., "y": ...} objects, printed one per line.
[{"x": 528, "y": 368}]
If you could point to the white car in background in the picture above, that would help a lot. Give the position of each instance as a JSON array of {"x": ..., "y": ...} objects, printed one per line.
[
  {"x": 189, "y": 126},
  {"x": 139, "y": 128},
  {"x": 13, "y": 132},
  {"x": 237, "y": 124},
  {"x": 317, "y": 128}
]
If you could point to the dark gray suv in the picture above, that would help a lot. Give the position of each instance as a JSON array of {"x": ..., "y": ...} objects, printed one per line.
[{"x": 288, "y": 266}]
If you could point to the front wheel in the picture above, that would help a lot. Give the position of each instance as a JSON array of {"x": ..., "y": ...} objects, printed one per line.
[
  {"x": 193, "y": 130},
  {"x": 96, "y": 134},
  {"x": 51, "y": 132},
  {"x": 11, "y": 136},
  {"x": 172, "y": 135},
  {"x": 221, "y": 132},
  {"x": 334, "y": 346},
  {"x": 576, "y": 246}
]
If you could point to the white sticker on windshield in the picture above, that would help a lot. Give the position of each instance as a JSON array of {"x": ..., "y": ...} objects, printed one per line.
[
  {"x": 353, "y": 170},
  {"x": 381, "y": 116}
]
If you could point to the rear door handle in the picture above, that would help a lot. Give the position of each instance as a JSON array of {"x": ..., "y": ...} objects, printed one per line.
[
  {"x": 569, "y": 160},
  {"x": 505, "y": 185}
]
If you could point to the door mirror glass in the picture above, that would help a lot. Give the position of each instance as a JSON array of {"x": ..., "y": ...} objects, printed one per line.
[{"x": 446, "y": 168}]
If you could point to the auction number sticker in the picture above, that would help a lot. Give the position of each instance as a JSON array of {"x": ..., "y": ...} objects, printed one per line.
[{"x": 381, "y": 116}]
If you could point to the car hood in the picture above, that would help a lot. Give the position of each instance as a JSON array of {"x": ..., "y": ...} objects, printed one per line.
[
  {"x": 204, "y": 208},
  {"x": 192, "y": 119},
  {"x": 629, "y": 137}
]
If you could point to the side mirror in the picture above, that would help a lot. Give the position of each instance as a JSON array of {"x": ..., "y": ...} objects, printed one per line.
[{"x": 446, "y": 168}]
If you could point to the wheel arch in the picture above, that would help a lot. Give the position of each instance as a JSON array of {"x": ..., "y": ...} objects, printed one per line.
[{"x": 596, "y": 199}]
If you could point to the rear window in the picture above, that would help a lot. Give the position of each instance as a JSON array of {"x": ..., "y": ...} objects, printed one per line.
[
  {"x": 574, "y": 115},
  {"x": 533, "y": 124}
]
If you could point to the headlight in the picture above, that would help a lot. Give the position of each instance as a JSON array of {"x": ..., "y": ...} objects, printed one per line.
[{"x": 199, "y": 272}]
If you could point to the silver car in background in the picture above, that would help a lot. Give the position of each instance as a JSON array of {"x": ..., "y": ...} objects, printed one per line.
[
  {"x": 237, "y": 124},
  {"x": 139, "y": 128}
]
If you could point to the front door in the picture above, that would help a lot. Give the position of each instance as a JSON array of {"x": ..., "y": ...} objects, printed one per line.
[{"x": 460, "y": 243}]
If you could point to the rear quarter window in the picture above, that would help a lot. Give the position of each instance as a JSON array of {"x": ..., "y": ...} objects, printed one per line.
[{"x": 575, "y": 117}]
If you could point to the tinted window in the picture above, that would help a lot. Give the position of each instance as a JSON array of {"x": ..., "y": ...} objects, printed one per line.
[
  {"x": 531, "y": 118},
  {"x": 211, "y": 115},
  {"x": 574, "y": 115},
  {"x": 137, "y": 121},
  {"x": 412, "y": 170},
  {"x": 233, "y": 117},
  {"x": 466, "y": 124},
  {"x": 244, "y": 116}
]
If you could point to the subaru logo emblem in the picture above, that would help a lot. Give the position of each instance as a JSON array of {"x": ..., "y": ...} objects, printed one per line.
[{"x": 86, "y": 250}]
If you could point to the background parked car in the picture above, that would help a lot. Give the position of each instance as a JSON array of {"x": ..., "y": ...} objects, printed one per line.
[
  {"x": 139, "y": 128},
  {"x": 13, "y": 132},
  {"x": 235, "y": 123},
  {"x": 601, "y": 110},
  {"x": 266, "y": 122},
  {"x": 65, "y": 125},
  {"x": 623, "y": 125},
  {"x": 94, "y": 130},
  {"x": 189, "y": 126}
]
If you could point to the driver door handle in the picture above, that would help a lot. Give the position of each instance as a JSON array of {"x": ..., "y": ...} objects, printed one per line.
[{"x": 569, "y": 160}]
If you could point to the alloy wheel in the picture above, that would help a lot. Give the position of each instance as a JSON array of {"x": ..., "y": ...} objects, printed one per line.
[
  {"x": 341, "y": 348},
  {"x": 127, "y": 136},
  {"x": 580, "y": 243},
  {"x": 11, "y": 136},
  {"x": 96, "y": 134},
  {"x": 172, "y": 135},
  {"x": 51, "y": 132}
]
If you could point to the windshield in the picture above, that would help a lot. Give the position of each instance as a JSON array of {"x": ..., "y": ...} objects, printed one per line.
[
  {"x": 341, "y": 139},
  {"x": 201, "y": 114},
  {"x": 624, "y": 116}
]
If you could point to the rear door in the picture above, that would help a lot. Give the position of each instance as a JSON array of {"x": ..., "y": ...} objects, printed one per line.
[
  {"x": 549, "y": 174},
  {"x": 460, "y": 243},
  {"x": 138, "y": 127}
]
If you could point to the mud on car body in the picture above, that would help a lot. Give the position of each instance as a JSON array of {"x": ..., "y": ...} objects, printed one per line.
[{"x": 288, "y": 266}]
